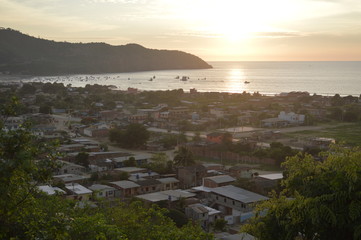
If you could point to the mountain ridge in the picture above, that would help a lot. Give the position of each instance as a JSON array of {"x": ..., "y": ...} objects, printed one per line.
[{"x": 24, "y": 54}]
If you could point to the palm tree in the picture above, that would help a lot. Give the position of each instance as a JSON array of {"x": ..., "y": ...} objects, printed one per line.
[{"x": 184, "y": 157}]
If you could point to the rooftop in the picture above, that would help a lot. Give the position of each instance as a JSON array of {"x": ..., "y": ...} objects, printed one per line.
[
  {"x": 77, "y": 188},
  {"x": 99, "y": 187},
  {"x": 172, "y": 195},
  {"x": 238, "y": 194},
  {"x": 51, "y": 190},
  {"x": 221, "y": 179},
  {"x": 272, "y": 176},
  {"x": 168, "y": 180},
  {"x": 125, "y": 184}
]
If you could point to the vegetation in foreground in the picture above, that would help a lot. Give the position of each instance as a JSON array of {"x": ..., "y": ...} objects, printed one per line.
[
  {"x": 26, "y": 213},
  {"x": 321, "y": 199}
]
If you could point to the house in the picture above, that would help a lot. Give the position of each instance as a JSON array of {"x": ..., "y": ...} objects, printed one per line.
[
  {"x": 169, "y": 195},
  {"x": 267, "y": 182},
  {"x": 13, "y": 123},
  {"x": 292, "y": 117},
  {"x": 191, "y": 176},
  {"x": 71, "y": 168},
  {"x": 104, "y": 191},
  {"x": 70, "y": 178},
  {"x": 143, "y": 175},
  {"x": 97, "y": 130},
  {"x": 131, "y": 170},
  {"x": 78, "y": 192},
  {"x": 234, "y": 202},
  {"x": 138, "y": 118},
  {"x": 127, "y": 188},
  {"x": 274, "y": 122},
  {"x": 169, "y": 183},
  {"x": 218, "y": 137},
  {"x": 148, "y": 185},
  {"x": 140, "y": 159},
  {"x": 108, "y": 115},
  {"x": 178, "y": 112},
  {"x": 213, "y": 166},
  {"x": 51, "y": 190},
  {"x": 202, "y": 214},
  {"x": 218, "y": 112},
  {"x": 240, "y": 172},
  {"x": 218, "y": 181}
]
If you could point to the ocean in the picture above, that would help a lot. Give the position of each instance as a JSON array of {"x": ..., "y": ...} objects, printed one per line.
[{"x": 325, "y": 78}]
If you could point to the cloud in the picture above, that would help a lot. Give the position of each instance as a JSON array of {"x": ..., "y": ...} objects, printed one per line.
[
  {"x": 19, "y": 14},
  {"x": 278, "y": 34}
]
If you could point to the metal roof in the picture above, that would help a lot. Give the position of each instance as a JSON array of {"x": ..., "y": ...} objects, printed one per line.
[
  {"x": 77, "y": 188},
  {"x": 125, "y": 184},
  {"x": 99, "y": 187},
  {"x": 168, "y": 180},
  {"x": 238, "y": 194},
  {"x": 272, "y": 176},
  {"x": 221, "y": 179}
]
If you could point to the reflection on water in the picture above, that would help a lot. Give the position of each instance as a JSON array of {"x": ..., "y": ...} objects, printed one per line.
[
  {"x": 235, "y": 79},
  {"x": 327, "y": 78}
]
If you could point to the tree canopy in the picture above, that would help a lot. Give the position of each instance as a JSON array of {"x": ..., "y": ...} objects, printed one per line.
[
  {"x": 133, "y": 136},
  {"x": 27, "y": 213},
  {"x": 184, "y": 157},
  {"x": 320, "y": 200}
]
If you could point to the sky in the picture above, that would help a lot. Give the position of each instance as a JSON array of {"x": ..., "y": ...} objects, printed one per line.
[{"x": 227, "y": 30}]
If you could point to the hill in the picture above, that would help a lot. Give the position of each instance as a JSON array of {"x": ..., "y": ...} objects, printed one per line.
[{"x": 24, "y": 54}]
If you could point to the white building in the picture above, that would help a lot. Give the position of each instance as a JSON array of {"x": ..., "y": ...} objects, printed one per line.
[{"x": 292, "y": 117}]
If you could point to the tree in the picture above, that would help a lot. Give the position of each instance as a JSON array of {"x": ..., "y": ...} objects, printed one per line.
[
  {"x": 133, "y": 136},
  {"x": 321, "y": 199},
  {"x": 27, "y": 213},
  {"x": 82, "y": 158},
  {"x": 184, "y": 157},
  {"x": 130, "y": 162},
  {"x": 197, "y": 137},
  {"x": 46, "y": 109}
]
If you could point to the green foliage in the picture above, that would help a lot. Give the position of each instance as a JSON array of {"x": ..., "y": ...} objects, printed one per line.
[
  {"x": 130, "y": 162},
  {"x": 133, "y": 136},
  {"x": 82, "y": 158},
  {"x": 220, "y": 225},
  {"x": 160, "y": 163},
  {"x": 46, "y": 109},
  {"x": 184, "y": 157},
  {"x": 178, "y": 217},
  {"x": 139, "y": 222},
  {"x": 26, "y": 213},
  {"x": 325, "y": 199}
]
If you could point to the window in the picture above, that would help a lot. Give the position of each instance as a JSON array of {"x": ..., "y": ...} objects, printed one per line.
[
  {"x": 233, "y": 202},
  {"x": 225, "y": 200},
  {"x": 217, "y": 197},
  {"x": 100, "y": 193}
]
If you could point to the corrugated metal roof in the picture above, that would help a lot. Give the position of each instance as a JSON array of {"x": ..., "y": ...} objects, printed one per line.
[{"x": 238, "y": 194}]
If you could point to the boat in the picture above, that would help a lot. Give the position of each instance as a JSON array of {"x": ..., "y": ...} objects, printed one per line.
[
  {"x": 177, "y": 77},
  {"x": 151, "y": 79},
  {"x": 246, "y": 82},
  {"x": 184, "y": 78}
]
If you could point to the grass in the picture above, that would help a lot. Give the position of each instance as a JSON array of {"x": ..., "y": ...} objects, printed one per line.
[{"x": 350, "y": 134}]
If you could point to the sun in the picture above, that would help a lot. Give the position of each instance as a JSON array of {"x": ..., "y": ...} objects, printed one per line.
[{"x": 234, "y": 20}]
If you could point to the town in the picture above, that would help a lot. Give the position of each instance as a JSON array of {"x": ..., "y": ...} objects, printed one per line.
[{"x": 210, "y": 157}]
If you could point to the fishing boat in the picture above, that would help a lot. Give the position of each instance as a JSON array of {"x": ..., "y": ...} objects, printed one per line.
[{"x": 246, "y": 82}]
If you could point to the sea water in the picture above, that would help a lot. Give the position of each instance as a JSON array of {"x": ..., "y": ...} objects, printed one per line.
[{"x": 326, "y": 78}]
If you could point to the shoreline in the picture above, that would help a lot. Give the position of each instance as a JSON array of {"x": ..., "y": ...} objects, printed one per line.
[{"x": 266, "y": 94}]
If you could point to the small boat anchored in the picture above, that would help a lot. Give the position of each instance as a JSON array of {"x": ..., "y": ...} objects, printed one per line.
[
  {"x": 184, "y": 78},
  {"x": 246, "y": 82}
]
